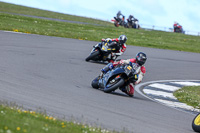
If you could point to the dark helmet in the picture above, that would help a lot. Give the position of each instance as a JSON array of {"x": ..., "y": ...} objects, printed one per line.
[
  {"x": 141, "y": 58},
  {"x": 122, "y": 39},
  {"x": 131, "y": 16}
]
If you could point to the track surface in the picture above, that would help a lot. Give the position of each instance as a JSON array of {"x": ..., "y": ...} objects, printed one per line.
[{"x": 49, "y": 72}]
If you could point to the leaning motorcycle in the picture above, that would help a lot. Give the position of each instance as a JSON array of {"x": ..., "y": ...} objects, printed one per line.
[
  {"x": 196, "y": 123},
  {"x": 120, "y": 76},
  {"x": 101, "y": 52}
]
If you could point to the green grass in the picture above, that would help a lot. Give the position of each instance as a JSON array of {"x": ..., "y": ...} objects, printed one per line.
[
  {"x": 189, "y": 95},
  {"x": 13, "y": 120},
  {"x": 153, "y": 39},
  {"x": 12, "y": 8}
]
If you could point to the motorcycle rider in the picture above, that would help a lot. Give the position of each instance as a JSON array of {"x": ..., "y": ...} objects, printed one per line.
[
  {"x": 177, "y": 27},
  {"x": 140, "y": 59},
  {"x": 118, "y": 44},
  {"x": 120, "y": 17},
  {"x": 132, "y": 18}
]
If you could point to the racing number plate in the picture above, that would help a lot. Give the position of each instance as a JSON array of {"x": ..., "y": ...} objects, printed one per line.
[{"x": 129, "y": 67}]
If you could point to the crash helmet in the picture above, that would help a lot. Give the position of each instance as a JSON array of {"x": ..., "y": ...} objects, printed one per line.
[
  {"x": 131, "y": 16},
  {"x": 141, "y": 58},
  {"x": 122, "y": 39}
]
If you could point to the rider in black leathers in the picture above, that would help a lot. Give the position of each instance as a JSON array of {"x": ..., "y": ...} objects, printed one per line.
[
  {"x": 118, "y": 44},
  {"x": 130, "y": 20},
  {"x": 120, "y": 17}
]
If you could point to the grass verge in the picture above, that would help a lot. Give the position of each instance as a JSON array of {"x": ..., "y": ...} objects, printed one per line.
[
  {"x": 153, "y": 39},
  {"x": 14, "y": 120},
  {"x": 189, "y": 95},
  {"x": 12, "y": 8}
]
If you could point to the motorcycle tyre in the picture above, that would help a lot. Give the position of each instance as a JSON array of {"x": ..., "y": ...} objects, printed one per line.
[
  {"x": 95, "y": 83},
  {"x": 195, "y": 127},
  {"x": 116, "y": 24},
  {"x": 115, "y": 86},
  {"x": 92, "y": 56},
  {"x": 126, "y": 25}
]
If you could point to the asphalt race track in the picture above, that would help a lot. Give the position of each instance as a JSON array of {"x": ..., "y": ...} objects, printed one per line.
[{"x": 51, "y": 73}]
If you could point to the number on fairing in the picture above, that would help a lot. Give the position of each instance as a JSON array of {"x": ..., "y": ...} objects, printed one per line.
[{"x": 129, "y": 67}]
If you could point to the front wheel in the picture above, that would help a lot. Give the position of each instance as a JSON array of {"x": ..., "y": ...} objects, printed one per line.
[
  {"x": 92, "y": 56},
  {"x": 196, "y": 123},
  {"x": 116, "y": 24},
  {"x": 95, "y": 83},
  {"x": 113, "y": 85}
]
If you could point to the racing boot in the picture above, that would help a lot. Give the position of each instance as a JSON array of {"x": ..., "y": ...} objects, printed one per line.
[
  {"x": 107, "y": 68},
  {"x": 110, "y": 60},
  {"x": 113, "y": 57},
  {"x": 129, "y": 90}
]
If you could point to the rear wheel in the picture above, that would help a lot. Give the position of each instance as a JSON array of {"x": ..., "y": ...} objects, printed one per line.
[
  {"x": 125, "y": 25},
  {"x": 196, "y": 123},
  {"x": 93, "y": 55},
  {"x": 113, "y": 85}
]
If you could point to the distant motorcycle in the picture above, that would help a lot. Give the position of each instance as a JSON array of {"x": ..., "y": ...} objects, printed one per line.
[
  {"x": 119, "y": 22},
  {"x": 133, "y": 23},
  {"x": 178, "y": 28},
  {"x": 120, "y": 76},
  {"x": 196, "y": 123},
  {"x": 101, "y": 52}
]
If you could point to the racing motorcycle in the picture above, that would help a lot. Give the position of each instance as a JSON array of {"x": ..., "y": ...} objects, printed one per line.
[
  {"x": 178, "y": 28},
  {"x": 120, "y": 76},
  {"x": 196, "y": 123},
  {"x": 133, "y": 23},
  {"x": 101, "y": 52},
  {"x": 118, "y": 22}
]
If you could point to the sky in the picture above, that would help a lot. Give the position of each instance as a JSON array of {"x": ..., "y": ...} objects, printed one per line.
[{"x": 160, "y": 13}]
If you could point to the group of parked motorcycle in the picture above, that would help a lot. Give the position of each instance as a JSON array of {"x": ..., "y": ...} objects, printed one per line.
[{"x": 130, "y": 23}]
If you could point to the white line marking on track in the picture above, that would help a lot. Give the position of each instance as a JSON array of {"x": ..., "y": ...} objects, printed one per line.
[
  {"x": 177, "y": 104},
  {"x": 164, "y": 87},
  {"x": 159, "y": 93},
  {"x": 187, "y": 83},
  {"x": 15, "y": 32}
]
